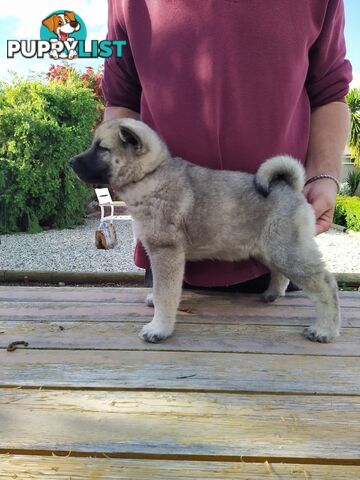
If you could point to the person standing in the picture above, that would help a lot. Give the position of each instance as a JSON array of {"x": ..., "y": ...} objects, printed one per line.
[{"x": 228, "y": 84}]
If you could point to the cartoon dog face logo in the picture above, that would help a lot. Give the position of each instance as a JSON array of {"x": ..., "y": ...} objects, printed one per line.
[{"x": 62, "y": 25}]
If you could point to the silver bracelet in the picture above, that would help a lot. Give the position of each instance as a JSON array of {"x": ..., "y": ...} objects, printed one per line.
[{"x": 323, "y": 175}]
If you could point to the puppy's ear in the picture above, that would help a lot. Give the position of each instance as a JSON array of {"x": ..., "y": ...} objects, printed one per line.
[
  {"x": 130, "y": 139},
  {"x": 50, "y": 23},
  {"x": 71, "y": 15}
]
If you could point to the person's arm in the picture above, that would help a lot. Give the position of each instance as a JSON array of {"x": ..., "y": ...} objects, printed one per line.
[
  {"x": 119, "y": 112},
  {"x": 121, "y": 85},
  {"x": 328, "y": 134},
  {"x": 327, "y": 84}
]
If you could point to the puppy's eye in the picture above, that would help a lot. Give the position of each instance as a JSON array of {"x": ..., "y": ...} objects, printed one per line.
[
  {"x": 60, "y": 23},
  {"x": 100, "y": 148}
]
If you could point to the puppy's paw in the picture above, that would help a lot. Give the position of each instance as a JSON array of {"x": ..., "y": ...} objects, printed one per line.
[
  {"x": 152, "y": 332},
  {"x": 149, "y": 300},
  {"x": 320, "y": 335},
  {"x": 270, "y": 296}
]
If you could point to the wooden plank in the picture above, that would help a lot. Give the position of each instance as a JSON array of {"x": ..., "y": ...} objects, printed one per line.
[
  {"x": 262, "y": 314},
  {"x": 54, "y": 277},
  {"x": 137, "y": 295},
  {"x": 187, "y": 337},
  {"x": 27, "y": 467},
  {"x": 348, "y": 278},
  {"x": 171, "y": 423},
  {"x": 181, "y": 371},
  {"x": 78, "y": 294}
]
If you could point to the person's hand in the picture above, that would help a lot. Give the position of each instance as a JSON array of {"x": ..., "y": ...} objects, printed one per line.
[{"x": 321, "y": 195}]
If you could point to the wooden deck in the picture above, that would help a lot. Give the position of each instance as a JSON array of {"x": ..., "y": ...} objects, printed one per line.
[{"x": 237, "y": 393}]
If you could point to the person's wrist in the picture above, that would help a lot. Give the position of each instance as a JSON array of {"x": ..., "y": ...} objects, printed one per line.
[{"x": 324, "y": 177}]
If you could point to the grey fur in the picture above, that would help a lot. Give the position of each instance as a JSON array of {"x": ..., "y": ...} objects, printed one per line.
[{"x": 184, "y": 212}]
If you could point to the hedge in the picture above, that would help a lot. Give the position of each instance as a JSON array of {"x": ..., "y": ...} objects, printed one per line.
[
  {"x": 347, "y": 212},
  {"x": 41, "y": 127}
]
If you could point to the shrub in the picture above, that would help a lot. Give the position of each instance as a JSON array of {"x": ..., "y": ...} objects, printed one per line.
[
  {"x": 353, "y": 181},
  {"x": 91, "y": 79},
  {"x": 41, "y": 127},
  {"x": 344, "y": 189},
  {"x": 347, "y": 212}
]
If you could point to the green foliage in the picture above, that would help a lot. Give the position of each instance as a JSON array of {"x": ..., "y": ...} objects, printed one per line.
[
  {"x": 344, "y": 190},
  {"x": 347, "y": 212},
  {"x": 353, "y": 181},
  {"x": 90, "y": 78},
  {"x": 41, "y": 127},
  {"x": 353, "y": 101}
]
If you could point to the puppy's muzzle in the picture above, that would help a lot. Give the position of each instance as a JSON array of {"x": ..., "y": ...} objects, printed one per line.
[{"x": 91, "y": 169}]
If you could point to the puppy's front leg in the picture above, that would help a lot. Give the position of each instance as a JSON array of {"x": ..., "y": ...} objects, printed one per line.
[{"x": 167, "y": 264}]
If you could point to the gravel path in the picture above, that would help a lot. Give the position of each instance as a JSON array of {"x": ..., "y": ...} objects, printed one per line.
[
  {"x": 71, "y": 250},
  {"x": 74, "y": 251}
]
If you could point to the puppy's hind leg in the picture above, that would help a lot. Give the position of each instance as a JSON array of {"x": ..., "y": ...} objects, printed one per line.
[
  {"x": 303, "y": 265},
  {"x": 277, "y": 286},
  {"x": 324, "y": 291},
  {"x": 167, "y": 264}
]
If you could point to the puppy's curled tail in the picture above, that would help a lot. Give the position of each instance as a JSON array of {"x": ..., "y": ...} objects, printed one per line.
[{"x": 282, "y": 167}]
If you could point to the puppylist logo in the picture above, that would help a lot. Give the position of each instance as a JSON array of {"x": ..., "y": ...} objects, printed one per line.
[{"x": 63, "y": 36}]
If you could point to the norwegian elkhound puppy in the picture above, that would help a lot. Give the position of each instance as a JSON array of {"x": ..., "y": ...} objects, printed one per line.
[{"x": 182, "y": 211}]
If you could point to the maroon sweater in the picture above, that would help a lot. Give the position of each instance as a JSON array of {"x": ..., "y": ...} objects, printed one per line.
[{"x": 227, "y": 84}]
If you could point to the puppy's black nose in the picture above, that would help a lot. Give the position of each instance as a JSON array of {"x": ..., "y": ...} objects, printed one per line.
[{"x": 74, "y": 24}]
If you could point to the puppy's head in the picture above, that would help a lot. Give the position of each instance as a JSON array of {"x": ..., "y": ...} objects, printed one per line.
[
  {"x": 123, "y": 151},
  {"x": 62, "y": 24}
]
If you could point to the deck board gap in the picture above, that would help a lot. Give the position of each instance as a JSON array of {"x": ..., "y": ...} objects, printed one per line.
[
  {"x": 186, "y": 457},
  {"x": 234, "y": 352},
  {"x": 67, "y": 388}
]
